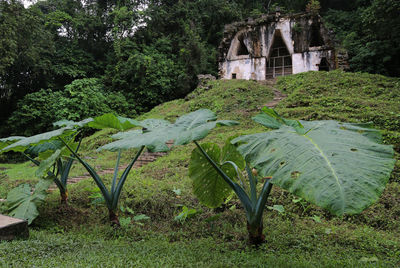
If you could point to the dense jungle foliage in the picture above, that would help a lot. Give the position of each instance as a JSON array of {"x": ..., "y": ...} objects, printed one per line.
[
  {"x": 164, "y": 224},
  {"x": 146, "y": 52}
]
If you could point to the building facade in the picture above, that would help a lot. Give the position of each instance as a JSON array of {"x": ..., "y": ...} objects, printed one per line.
[{"x": 277, "y": 45}]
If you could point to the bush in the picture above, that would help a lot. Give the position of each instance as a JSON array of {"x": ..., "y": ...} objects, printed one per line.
[
  {"x": 82, "y": 98},
  {"x": 148, "y": 77}
]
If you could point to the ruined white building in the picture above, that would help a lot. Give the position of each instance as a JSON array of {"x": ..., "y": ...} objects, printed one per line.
[{"x": 276, "y": 45}]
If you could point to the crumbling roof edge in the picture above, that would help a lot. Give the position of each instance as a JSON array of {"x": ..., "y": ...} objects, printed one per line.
[{"x": 251, "y": 21}]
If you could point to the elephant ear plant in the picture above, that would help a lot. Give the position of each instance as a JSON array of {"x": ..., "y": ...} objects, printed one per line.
[
  {"x": 54, "y": 164},
  {"x": 341, "y": 167},
  {"x": 154, "y": 135}
]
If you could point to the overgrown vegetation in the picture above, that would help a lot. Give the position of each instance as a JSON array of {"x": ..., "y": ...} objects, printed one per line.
[
  {"x": 365, "y": 30},
  {"x": 345, "y": 97},
  {"x": 149, "y": 52},
  {"x": 81, "y": 99},
  {"x": 299, "y": 235}
]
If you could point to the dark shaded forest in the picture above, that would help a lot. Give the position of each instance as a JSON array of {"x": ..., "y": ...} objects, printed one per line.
[{"x": 74, "y": 59}]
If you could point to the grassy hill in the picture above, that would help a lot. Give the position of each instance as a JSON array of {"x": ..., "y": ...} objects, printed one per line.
[{"x": 302, "y": 236}]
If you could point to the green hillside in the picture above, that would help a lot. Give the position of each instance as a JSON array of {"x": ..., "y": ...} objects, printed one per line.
[{"x": 301, "y": 236}]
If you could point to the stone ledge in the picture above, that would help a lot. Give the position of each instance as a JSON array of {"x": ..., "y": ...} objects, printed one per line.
[{"x": 11, "y": 228}]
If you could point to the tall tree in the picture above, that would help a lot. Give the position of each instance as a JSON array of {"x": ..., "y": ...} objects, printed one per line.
[
  {"x": 26, "y": 51},
  {"x": 368, "y": 31}
]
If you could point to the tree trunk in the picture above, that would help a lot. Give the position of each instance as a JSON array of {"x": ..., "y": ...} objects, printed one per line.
[
  {"x": 114, "y": 218},
  {"x": 256, "y": 236},
  {"x": 64, "y": 198}
]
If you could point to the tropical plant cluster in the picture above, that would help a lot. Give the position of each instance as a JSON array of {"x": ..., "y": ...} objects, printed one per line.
[
  {"x": 342, "y": 167},
  {"x": 143, "y": 53}
]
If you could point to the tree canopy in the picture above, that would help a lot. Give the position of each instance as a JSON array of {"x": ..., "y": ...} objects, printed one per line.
[{"x": 151, "y": 51}]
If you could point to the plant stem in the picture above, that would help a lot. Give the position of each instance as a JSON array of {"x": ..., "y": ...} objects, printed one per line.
[
  {"x": 113, "y": 218},
  {"x": 256, "y": 236},
  {"x": 64, "y": 198},
  {"x": 243, "y": 197}
]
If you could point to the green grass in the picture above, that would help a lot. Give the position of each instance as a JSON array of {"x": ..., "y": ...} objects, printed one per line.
[
  {"x": 350, "y": 97},
  {"x": 80, "y": 236},
  {"x": 291, "y": 245},
  {"x": 13, "y": 174}
]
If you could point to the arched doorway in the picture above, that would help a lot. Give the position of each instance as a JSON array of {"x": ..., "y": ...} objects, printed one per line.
[
  {"x": 323, "y": 65},
  {"x": 279, "y": 62}
]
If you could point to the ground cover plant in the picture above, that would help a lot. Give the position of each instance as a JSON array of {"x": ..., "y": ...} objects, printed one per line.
[{"x": 303, "y": 235}]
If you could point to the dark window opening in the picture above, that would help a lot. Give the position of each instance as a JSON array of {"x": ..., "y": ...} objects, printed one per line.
[
  {"x": 316, "y": 38},
  {"x": 323, "y": 65},
  {"x": 233, "y": 76},
  {"x": 242, "y": 50},
  {"x": 280, "y": 60}
]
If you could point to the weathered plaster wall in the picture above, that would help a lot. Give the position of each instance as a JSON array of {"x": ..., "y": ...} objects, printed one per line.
[
  {"x": 284, "y": 26},
  {"x": 308, "y": 61},
  {"x": 259, "y": 40},
  {"x": 253, "y": 68}
]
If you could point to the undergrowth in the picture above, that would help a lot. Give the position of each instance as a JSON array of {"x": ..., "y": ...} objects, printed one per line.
[{"x": 300, "y": 236}]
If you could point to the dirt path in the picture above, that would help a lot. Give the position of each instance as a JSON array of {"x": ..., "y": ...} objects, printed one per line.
[{"x": 278, "y": 96}]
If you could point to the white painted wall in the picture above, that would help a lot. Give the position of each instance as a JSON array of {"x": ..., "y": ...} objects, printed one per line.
[
  {"x": 308, "y": 61},
  {"x": 284, "y": 26},
  {"x": 253, "y": 69}
]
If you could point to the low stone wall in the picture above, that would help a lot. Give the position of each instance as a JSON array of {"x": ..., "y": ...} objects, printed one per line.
[{"x": 12, "y": 228}]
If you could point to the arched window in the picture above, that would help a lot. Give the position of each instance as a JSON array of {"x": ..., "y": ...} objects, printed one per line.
[
  {"x": 242, "y": 49},
  {"x": 280, "y": 61}
]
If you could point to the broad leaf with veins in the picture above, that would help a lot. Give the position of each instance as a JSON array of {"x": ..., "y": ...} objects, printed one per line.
[
  {"x": 23, "y": 202},
  {"x": 25, "y": 143},
  {"x": 339, "y": 166},
  {"x": 4, "y": 142},
  {"x": 208, "y": 186},
  {"x": 113, "y": 121},
  {"x": 187, "y": 128}
]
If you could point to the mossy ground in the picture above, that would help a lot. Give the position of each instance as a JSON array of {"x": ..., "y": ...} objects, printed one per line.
[{"x": 302, "y": 236}]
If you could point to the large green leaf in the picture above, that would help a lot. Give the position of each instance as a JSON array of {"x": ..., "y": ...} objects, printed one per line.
[
  {"x": 35, "y": 150},
  {"x": 338, "y": 166},
  {"x": 4, "y": 142},
  {"x": 113, "y": 121},
  {"x": 187, "y": 128},
  {"x": 154, "y": 141},
  {"x": 69, "y": 123},
  {"x": 46, "y": 164},
  {"x": 43, "y": 142},
  {"x": 271, "y": 119},
  {"x": 23, "y": 144},
  {"x": 154, "y": 123},
  {"x": 208, "y": 186},
  {"x": 23, "y": 203}
]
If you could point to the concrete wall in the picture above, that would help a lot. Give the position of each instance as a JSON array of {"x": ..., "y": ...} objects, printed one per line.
[
  {"x": 250, "y": 68},
  {"x": 308, "y": 61}
]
